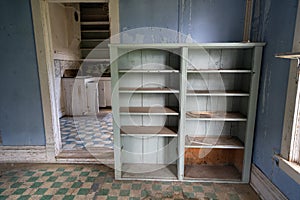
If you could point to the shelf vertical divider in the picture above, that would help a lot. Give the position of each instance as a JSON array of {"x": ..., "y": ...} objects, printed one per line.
[
  {"x": 115, "y": 109},
  {"x": 182, "y": 104},
  {"x": 252, "y": 106}
]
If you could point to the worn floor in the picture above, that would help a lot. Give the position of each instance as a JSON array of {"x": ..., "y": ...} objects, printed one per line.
[
  {"x": 87, "y": 131},
  {"x": 52, "y": 181}
]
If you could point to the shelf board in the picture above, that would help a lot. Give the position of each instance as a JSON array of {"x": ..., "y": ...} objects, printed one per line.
[
  {"x": 148, "y": 90},
  {"x": 149, "y": 171},
  {"x": 222, "y": 142},
  {"x": 211, "y": 172},
  {"x": 147, "y": 111},
  {"x": 215, "y": 116},
  {"x": 148, "y": 71},
  {"x": 239, "y": 71},
  {"x": 232, "y": 93},
  {"x": 159, "y": 131}
]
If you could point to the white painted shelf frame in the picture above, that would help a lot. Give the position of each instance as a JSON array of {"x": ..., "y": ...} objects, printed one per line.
[{"x": 188, "y": 102}]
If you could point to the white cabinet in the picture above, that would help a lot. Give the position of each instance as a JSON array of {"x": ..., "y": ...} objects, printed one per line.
[
  {"x": 104, "y": 87},
  {"x": 81, "y": 95},
  {"x": 92, "y": 97},
  {"x": 184, "y": 111}
]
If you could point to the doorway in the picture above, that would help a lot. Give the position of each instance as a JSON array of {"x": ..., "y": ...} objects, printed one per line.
[{"x": 71, "y": 58}]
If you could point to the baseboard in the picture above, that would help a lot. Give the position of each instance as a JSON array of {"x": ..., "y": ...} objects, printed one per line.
[
  {"x": 263, "y": 186},
  {"x": 23, "y": 154}
]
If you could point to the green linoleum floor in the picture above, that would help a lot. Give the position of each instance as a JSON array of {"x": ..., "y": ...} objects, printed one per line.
[{"x": 52, "y": 181}]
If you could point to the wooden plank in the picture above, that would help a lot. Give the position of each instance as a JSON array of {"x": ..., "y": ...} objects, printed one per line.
[
  {"x": 95, "y": 23},
  {"x": 219, "y": 71},
  {"x": 217, "y": 93},
  {"x": 148, "y": 90},
  {"x": 204, "y": 172},
  {"x": 147, "y": 111},
  {"x": 149, "y": 171},
  {"x": 182, "y": 106},
  {"x": 215, "y": 116},
  {"x": 23, "y": 154},
  {"x": 90, "y": 153},
  {"x": 44, "y": 51},
  {"x": 115, "y": 110},
  {"x": 288, "y": 55},
  {"x": 221, "y": 142},
  {"x": 257, "y": 56},
  {"x": 148, "y": 71},
  {"x": 225, "y": 45},
  {"x": 160, "y": 131}
]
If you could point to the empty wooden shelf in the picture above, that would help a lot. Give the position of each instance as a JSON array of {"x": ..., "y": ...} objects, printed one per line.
[
  {"x": 159, "y": 131},
  {"x": 147, "y": 111},
  {"x": 148, "y": 71},
  {"x": 215, "y": 116},
  {"x": 218, "y": 71},
  {"x": 217, "y": 93},
  {"x": 156, "y": 90},
  {"x": 221, "y": 142},
  {"x": 212, "y": 173}
]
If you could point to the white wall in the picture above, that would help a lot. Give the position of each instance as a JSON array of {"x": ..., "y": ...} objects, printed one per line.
[
  {"x": 65, "y": 31},
  {"x": 65, "y": 40}
]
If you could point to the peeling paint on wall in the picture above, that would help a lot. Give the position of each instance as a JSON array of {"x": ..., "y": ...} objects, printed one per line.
[
  {"x": 193, "y": 20},
  {"x": 273, "y": 23}
]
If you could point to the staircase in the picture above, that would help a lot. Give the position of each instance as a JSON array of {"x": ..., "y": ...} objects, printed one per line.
[{"x": 95, "y": 31}]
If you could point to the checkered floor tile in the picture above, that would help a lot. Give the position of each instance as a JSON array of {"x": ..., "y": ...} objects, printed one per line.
[
  {"x": 87, "y": 182},
  {"x": 87, "y": 131}
]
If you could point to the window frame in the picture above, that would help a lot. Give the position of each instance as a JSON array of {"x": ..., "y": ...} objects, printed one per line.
[{"x": 293, "y": 92}]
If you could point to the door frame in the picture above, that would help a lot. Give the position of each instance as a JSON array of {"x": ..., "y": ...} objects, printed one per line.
[{"x": 44, "y": 51}]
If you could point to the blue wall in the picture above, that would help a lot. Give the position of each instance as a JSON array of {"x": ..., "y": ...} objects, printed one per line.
[
  {"x": 203, "y": 21},
  {"x": 273, "y": 23},
  {"x": 21, "y": 119}
]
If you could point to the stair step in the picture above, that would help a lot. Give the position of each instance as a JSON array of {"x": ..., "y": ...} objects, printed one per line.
[
  {"x": 93, "y": 18},
  {"x": 97, "y": 53},
  {"x": 95, "y": 23},
  {"x": 94, "y": 27},
  {"x": 93, "y": 5},
  {"x": 92, "y": 43},
  {"x": 94, "y": 11},
  {"x": 95, "y": 35},
  {"x": 95, "y": 31}
]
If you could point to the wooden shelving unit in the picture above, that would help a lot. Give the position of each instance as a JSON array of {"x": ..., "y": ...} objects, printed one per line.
[{"x": 184, "y": 111}]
